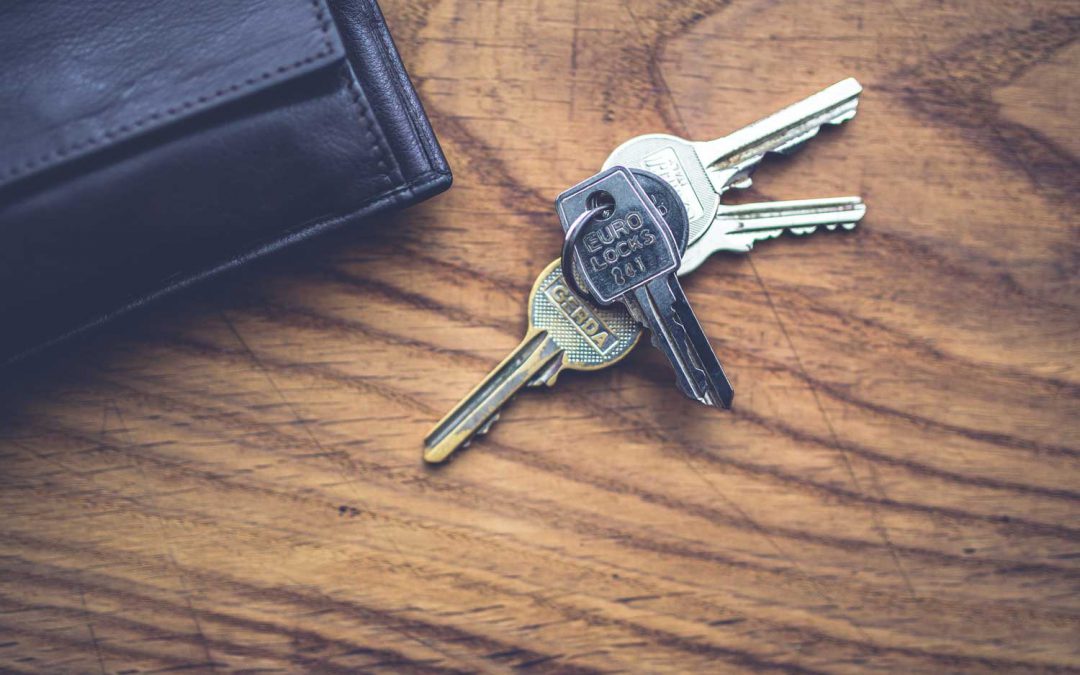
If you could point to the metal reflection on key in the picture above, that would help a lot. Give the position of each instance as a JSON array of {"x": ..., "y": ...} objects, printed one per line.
[
  {"x": 702, "y": 171},
  {"x": 629, "y": 253},
  {"x": 736, "y": 228},
  {"x": 565, "y": 333}
]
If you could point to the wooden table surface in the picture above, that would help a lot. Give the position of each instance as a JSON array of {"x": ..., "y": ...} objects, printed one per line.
[{"x": 232, "y": 481}]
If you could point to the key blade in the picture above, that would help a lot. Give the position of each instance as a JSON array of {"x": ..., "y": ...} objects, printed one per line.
[
  {"x": 730, "y": 159},
  {"x": 677, "y": 332},
  {"x": 738, "y": 227},
  {"x": 479, "y": 410},
  {"x": 721, "y": 393},
  {"x": 783, "y": 215}
]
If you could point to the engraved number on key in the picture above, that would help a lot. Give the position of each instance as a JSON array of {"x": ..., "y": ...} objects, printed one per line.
[{"x": 565, "y": 333}]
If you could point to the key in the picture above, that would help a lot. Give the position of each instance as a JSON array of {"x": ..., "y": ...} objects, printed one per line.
[
  {"x": 703, "y": 171},
  {"x": 732, "y": 158},
  {"x": 579, "y": 335},
  {"x": 626, "y": 251},
  {"x": 565, "y": 333},
  {"x": 736, "y": 228}
]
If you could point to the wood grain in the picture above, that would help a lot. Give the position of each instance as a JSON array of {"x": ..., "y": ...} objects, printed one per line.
[{"x": 232, "y": 481}]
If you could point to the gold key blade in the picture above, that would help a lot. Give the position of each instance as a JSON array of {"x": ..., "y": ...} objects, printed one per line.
[
  {"x": 535, "y": 353},
  {"x": 565, "y": 332}
]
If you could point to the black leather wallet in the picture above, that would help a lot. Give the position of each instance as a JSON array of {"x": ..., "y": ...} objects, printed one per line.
[{"x": 148, "y": 144}]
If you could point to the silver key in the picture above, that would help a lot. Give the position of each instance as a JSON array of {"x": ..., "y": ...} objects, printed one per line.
[
  {"x": 737, "y": 227},
  {"x": 703, "y": 171},
  {"x": 565, "y": 333},
  {"x": 626, "y": 251}
]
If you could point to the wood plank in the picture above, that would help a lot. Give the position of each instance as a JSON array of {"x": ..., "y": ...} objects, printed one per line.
[{"x": 232, "y": 481}]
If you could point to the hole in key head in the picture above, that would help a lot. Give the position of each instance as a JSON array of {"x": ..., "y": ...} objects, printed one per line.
[{"x": 601, "y": 199}]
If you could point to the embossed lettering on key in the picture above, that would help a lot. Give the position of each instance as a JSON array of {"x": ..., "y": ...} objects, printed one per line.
[
  {"x": 627, "y": 246},
  {"x": 628, "y": 252},
  {"x": 565, "y": 333}
]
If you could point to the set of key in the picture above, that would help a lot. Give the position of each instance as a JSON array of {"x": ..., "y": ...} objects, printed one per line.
[{"x": 653, "y": 213}]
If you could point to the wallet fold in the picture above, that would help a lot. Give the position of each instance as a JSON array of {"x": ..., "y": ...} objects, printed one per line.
[{"x": 145, "y": 145}]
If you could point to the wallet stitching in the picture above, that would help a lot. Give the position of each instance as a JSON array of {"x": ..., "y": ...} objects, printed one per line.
[
  {"x": 384, "y": 50},
  {"x": 322, "y": 22},
  {"x": 405, "y": 187},
  {"x": 376, "y": 140},
  {"x": 365, "y": 119},
  {"x": 254, "y": 245}
]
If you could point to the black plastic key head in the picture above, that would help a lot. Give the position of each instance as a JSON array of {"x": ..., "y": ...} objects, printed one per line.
[{"x": 625, "y": 243}]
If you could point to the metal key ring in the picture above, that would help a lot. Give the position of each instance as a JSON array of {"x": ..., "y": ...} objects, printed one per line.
[{"x": 568, "y": 254}]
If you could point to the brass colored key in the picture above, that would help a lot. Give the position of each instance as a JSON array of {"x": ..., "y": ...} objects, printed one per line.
[{"x": 565, "y": 333}]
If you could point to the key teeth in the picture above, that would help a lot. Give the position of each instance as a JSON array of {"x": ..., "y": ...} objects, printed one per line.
[
  {"x": 796, "y": 143},
  {"x": 659, "y": 344},
  {"x": 656, "y": 342},
  {"x": 748, "y": 245},
  {"x": 845, "y": 117},
  {"x": 699, "y": 375},
  {"x": 486, "y": 427}
]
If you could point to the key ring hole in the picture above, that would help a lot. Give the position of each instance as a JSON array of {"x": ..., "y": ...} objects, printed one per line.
[
  {"x": 601, "y": 199},
  {"x": 568, "y": 258}
]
